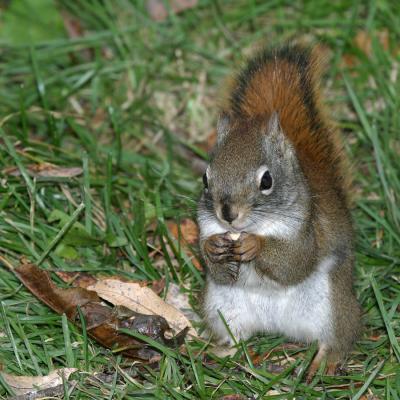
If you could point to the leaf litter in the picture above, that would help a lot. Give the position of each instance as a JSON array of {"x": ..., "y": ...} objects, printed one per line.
[
  {"x": 141, "y": 299},
  {"x": 187, "y": 235},
  {"x": 104, "y": 322},
  {"x": 27, "y": 384},
  {"x": 45, "y": 170}
]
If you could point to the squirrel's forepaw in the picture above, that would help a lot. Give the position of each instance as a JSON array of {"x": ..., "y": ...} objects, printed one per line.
[
  {"x": 246, "y": 248},
  {"x": 218, "y": 248}
]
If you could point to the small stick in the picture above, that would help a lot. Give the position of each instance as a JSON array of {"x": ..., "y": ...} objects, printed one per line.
[{"x": 6, "y": 263}]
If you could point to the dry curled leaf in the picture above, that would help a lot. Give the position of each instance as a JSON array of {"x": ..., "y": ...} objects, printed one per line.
[
  {"x": 187, "y": 231},
  {"x": 158, "y": 286},
  {"x": 363, "y": 41},
  {"x": 180, "y": 301},
  {"x": 45, "y": 170},
  {"x": 102, "y": 322},
  {"x": 141, "y": 300},
  {"x": 27, "y": 384},
  {"x": 159, "y": 12},
  {"x": 187, "y": 234},
  {"x": 83, "y": 280},
  {"x": 76, "y": 278}
]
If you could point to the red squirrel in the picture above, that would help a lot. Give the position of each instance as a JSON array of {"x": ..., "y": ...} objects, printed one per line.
[{"x": 275, "y": 227}]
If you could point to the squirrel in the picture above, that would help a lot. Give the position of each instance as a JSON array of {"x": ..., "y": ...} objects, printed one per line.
[{"x": 275, "y": 227}]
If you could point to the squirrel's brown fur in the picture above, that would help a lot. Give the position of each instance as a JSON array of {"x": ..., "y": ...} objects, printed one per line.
[
  {"x": 279, "y": 177},
  {"x": 286, "y": 80}
]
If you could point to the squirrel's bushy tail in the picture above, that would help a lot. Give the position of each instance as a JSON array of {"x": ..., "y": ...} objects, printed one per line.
[{"x": 286, "y": 80}]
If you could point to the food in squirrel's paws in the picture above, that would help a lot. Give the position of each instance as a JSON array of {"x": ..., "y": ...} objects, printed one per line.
[
  {"x": 234, "y": 236},
  {"x": 278, "y": 170}
]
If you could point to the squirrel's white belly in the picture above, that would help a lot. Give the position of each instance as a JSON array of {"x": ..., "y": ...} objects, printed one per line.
[{"x": 256, "y": 304}]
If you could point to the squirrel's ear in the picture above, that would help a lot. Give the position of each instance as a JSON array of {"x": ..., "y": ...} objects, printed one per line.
[
  {"x": 276, "y": 137},
  {"x": 222, "y": 127}
]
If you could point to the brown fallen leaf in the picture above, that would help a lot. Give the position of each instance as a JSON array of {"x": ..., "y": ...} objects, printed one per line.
[
  {"x": 369, "y": 396},
  {"x": 72, "y": 25},
  {"x": 141, "y": 300},
  {"x": 363, "y": 41},
  {"x": 223, "y": 351},
  {"x": 158, "y": 11},
  {"x": 60, "y": 300},
  {"x": 76, "y": 278},
  {"x": 187, "y": 234},
  {"x": 75, "y": 30},
  {"x": 187, "y": 231},
  {"x": 83, "y": 280},
  {"x": 102, "y": 322},
  {"x": 375, "y": 338},
  {"x": 158, "y": 286},
  {"x": 57, "y": 391},
  {"x": 180, "y": 301},
  {"x": 45, "y": 170},
  {"x": 27, "y": 384}
]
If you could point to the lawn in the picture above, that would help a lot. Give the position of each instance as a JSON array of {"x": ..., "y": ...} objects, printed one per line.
[{"x": 131, "y": 103}]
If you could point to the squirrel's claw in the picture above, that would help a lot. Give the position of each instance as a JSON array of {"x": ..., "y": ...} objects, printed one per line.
[
  {"x": 218, "y": 248},
  {"x": 246, "y": 248}
]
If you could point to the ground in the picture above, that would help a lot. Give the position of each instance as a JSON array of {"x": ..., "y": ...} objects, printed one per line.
[{"x": 132, "y": 102}]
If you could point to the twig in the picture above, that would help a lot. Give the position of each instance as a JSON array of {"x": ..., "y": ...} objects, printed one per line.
[{"x": 6, "y": 263}]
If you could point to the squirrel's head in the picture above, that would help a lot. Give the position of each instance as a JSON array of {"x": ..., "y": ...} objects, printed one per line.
[{"x": 254, "y": 182}]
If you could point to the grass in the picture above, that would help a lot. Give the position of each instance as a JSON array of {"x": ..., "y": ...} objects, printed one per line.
[{"x": 121, "y": 102}]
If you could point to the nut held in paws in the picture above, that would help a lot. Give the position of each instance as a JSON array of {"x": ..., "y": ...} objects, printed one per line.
[{"x": 234, "y": 236}]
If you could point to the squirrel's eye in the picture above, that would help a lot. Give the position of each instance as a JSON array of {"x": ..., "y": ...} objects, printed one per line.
[
  {"x": 205, "y": 181},
  {"x": 266, "y": 181}
]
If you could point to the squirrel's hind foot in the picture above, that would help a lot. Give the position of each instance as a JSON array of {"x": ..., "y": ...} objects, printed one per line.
[{"x": 332, "y": 364}]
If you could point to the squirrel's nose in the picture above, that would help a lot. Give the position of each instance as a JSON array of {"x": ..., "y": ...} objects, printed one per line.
[{"x": 228, "y": 214}]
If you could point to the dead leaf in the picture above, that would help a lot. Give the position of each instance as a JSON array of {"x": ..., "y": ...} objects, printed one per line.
[
  {"x": 257, "y": 359},
  {"x": 72, "y": 25},
  {"x": 26, "y": 384},
  {"x": 273, "y": 392},
  {"x": 83, "y": 280},
  {"x": 363, "y": 41},
  {"x": 369, "y": 396},
  {"x": 187, "y": 234},
  {"x": 223, "y": 351},
  {"x": 75, "y": 30},
  {"x": 76, "y": 278},
  {"x": 102, "y": 322},
  {"x": 158, "y": 11},
  {"x": 99, "y": 118},
  {"x": 60, "y": 300},
  {"x": 189, "y": 231},
  {"x": 375, "y": 338},
  {"x": 141, "y": 300},
  {"x": 180, "y": 301},
  {"x": 45, "y": 170},
  {"x": 158, "y": 286},
  {"x": 233, "y": 397}
]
